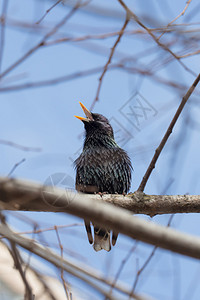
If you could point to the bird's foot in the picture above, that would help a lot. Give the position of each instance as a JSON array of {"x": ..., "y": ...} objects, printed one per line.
[
  {"x": 101, "y": 194},
  {"x": 124, "y": 194}
]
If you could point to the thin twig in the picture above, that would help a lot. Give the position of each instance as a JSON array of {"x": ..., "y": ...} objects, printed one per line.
[
  {"x": 41, "y": 278},
  {"x": 47, "y": 11},
  {"x": 41, "y": 43},
  {"x": 91, "y": 37},
  {"x": 181, "y": 14},
  {"x": 76, "y": 75},
  {"x": 163, "y": 46},
  {"x": 190, "y": 54},
  {"x": 23, "y": 148},
  {"x": 27, "y": 265},
  {"x": 49, "y": 229},
  {"x": 147, "y": 261},
  {"x": 108, "y": 35},
  {"x": 18, "y": 264},
  {"x": 15, "y": 167},
  {"x": 123, "y": 262},
  {"x": 109, "y": 61},
  {"x": 167, "y": 134},
  {"x": 62, "y": 271},
  {"x": 143, "y": 267},
  {"x": 2, "y": 32},
  {"x": 54, "y": 80}
]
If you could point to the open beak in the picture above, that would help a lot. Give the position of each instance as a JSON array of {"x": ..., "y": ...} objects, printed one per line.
[{"x": 87, "y": 114}]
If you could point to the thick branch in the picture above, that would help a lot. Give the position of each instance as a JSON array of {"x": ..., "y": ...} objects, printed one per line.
[{"x": 29, "y": 196}]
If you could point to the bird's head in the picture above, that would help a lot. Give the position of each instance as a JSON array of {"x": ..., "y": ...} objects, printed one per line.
[{"x": 95, "y": 123}]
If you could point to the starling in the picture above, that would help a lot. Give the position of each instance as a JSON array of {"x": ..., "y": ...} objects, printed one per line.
[{"x": 102, "y": 167}]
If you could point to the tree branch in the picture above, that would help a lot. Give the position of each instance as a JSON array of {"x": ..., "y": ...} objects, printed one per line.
[
  {"x": 40, "y": 44},
  {"x": 131, "y": 14},
  {"x": 30, "y": 196},
  {"x": 167, "y": 134},
  {"x": 20, "y": 195},
  {"x": 109, "y": 61},
  {"x": 2, "y": 30},
  {"x": 79, "y": 270},
  {"x": 18, "y": 265}
]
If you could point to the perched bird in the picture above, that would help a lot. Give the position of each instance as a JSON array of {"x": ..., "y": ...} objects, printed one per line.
[{"x": 102, "y": 167}]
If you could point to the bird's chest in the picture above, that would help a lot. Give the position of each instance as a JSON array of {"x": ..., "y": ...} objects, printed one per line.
[
  {"x": 100, "y": 170},
  {"x": 95, "y": 164}
]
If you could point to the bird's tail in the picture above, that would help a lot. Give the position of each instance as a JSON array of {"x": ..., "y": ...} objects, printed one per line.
[{"x": 101, "y": 239}]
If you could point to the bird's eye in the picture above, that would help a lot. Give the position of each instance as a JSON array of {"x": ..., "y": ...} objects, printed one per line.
[{"x": 97, "y": 119}]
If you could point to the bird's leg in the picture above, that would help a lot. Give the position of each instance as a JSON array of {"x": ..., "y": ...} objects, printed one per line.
[
  {"x": 114, "y": 238},
  {"x": 89, "y": 232}
]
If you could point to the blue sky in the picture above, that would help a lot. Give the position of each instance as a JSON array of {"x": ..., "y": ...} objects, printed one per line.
[{"x": 44, "y": 117}]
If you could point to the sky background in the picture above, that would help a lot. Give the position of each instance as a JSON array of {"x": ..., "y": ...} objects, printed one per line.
[{"x": 44, "y": 118}]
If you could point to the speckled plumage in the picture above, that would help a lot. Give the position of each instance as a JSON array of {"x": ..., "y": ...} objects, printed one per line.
[
  {"x": 103, "y": 170},
  {"x": 102, "y": 167}
]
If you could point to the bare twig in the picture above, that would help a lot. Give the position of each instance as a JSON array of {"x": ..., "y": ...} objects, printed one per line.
[
  {"x": 163, "y": 46},
  {"x": 109, "y": 60},
  {"x": 121, "y": 65},
  {"x": 53, "y": 81},
  {"x": 147, "y": 261},
  {"x": 62, "y": 271},
  {"x": 41, "y": 43},
  {"x": 47, "y": 11},
  {"x": 23, "y": 148},
  {"x": 45, "y": 285},
  {"x": 123, "y": 262},
  {"x": 50, "y": 228},
  {"x": 91, "y": 37},
  {"x": 15, "y": 166},
  {"x": 2, "y": 31},
  {"x": 190, "y": 54},
  {"x": 18, "y": 264},
  {"x": 181, "y": 14},
  {"x": 167, "y": 134},
  {"x": 143, "y": 267}
]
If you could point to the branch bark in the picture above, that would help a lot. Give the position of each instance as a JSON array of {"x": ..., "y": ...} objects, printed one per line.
[
  {"x": 20, "y": 195},
  {"x": 30, "y": 196}
]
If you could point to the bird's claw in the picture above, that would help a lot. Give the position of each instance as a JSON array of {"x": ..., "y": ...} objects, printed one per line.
[{"x": 101, "y": 194}]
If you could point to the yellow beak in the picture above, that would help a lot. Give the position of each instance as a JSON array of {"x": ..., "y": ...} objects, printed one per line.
[{"x": 87, "y": 113}]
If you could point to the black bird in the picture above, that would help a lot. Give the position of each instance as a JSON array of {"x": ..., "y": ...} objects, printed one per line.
[{"x": 102, "y": 167}]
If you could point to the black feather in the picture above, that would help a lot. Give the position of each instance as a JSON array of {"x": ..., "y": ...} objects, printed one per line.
[{"x": 102, "y": 166}]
